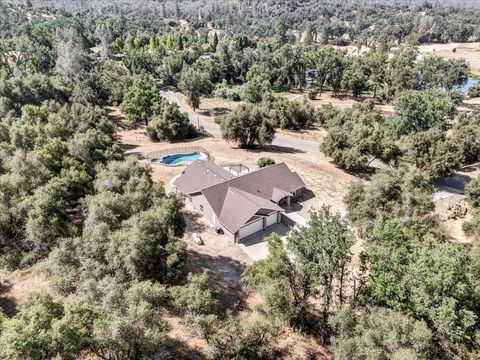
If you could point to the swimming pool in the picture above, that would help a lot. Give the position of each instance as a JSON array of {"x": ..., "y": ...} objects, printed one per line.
[{"x": 179, "y": 159}]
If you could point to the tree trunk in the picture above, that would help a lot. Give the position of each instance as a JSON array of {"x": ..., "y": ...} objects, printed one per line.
[{"x": 340, "y": 294}]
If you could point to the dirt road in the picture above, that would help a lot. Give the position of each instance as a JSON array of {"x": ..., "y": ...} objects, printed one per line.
[{"x": 214, "y": 129}]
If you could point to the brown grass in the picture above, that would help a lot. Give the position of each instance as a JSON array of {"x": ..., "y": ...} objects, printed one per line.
[
  {"x": 468, "y": 51},
  {"x": 16, "y": 286}
]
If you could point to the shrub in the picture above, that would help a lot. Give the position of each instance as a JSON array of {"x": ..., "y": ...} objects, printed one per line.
[
  {"x": 474, "y": 91},
  {"x": 170, "y": 124},
  {"x": 457, "y": 97},
  {"x": 312, "y": 92},
  {"x": 223, "y": 91},
  {"x": 472, "y": 192},
  {"x": 265, "y": 161},
  {"x": 248, "y": 125}
]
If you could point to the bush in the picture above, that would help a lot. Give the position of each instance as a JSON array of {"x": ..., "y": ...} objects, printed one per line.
[
  {"x": 472, "y": 192},
  {"x": 397, "y": 336},
  {"x": 265, "y": 161},
  {"x": 312, "y": 92},
  {"x": 457, "y": 97},
  {"x": 248, "y": 125},
  {"x": 223, "y": 91},
  {"x": 474, "y": 91},
  {"x": 293, "y": 114},
  {"x": 421, "y": 110}
]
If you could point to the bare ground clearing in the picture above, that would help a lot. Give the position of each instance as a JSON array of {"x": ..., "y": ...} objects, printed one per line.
[
  {"x": 329, "y": 183},
  {"x": 468, "y": 51},
  {"x": 16, "y": 286}
]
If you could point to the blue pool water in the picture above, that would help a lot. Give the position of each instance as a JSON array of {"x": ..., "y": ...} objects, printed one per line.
[
  {"x": 179, "y": 159},
  {"x": 464, "y": 88}
]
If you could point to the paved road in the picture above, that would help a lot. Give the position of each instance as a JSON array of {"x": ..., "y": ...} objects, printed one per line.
[{"x": 214, "y": 129}]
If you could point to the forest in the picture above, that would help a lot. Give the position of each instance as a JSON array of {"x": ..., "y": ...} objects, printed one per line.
[{"x": 111, "y": 241}]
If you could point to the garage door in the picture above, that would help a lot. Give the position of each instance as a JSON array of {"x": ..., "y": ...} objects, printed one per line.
[
  {"x": 251, "y": 228},
  {"x": 272, "y": 219}
]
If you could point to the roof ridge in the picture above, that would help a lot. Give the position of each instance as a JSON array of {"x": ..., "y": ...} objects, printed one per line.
[
  {"x": 266, "y": 168},
  {"x": 243, "y": 192},
  {"x": 252, "y": 172}
]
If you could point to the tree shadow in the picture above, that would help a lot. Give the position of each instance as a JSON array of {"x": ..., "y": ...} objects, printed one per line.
[
  {"x": 470, "y": 168},
  {"x": 194, "y": 224},
  {"x": 126, "y": 147},
  {"x": 139, "y": 155},
  {"x": 225, "y": 277},
  {"x": 179, "y": 350},
  {"x": 364, "y": 174},
  {"x": 469, "y": 107},
  {"x": 7, "y": 303},
  {"x": 216, "y": 111},
  {"x": 275, "y": 149},
  {"x": 455, "y": 184}
]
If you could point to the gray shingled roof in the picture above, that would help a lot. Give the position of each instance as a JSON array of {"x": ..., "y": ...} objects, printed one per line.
[
  {"x": 266, "y": 184},
  {"x": 235, "y": 200},
  {"x": 200, "y": 175},
  {"x": 240, "y": 206}
]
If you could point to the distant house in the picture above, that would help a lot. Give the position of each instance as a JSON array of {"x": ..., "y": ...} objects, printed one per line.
[
  {"x": 239, "y": 206},
  {"x": 310, "y": 75}
]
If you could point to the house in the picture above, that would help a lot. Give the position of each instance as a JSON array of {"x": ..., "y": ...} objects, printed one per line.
[{"x": 240, "y": 206}]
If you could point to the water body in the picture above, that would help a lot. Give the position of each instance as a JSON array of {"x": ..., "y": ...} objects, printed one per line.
[
  {"x": 178, "y": 159},
  {"x": 464, "y": 88}
]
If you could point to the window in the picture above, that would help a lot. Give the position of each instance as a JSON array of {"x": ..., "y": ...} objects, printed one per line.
[{"x": 201, "y": 207}]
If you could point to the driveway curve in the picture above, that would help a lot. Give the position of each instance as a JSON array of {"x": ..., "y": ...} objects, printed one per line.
[{"x": 214, "y": 129}]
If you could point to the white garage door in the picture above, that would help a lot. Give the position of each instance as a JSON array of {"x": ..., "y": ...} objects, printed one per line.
[
  {"x": 251, "y": 228},
  {"x": 272, "y": 219}
]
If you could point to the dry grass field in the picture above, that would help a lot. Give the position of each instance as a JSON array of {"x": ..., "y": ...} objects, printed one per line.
[
  {"x": 16, "y": 286},
  {"x": 468, "y": 51},
  {"x": 328, "y": 182}
]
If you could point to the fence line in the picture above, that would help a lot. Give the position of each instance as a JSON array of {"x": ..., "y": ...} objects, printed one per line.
[{"x": 179, "y": 150}]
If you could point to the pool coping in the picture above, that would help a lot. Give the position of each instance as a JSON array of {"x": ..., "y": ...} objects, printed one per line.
[
  {"x": 177, "y": 150},
  {"x": 186, "y": 162}
]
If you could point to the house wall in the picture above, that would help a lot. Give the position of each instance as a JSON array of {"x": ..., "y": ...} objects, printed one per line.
[
  {"x": 271, "y": 219},
  {"x": 200, "y": 204},
  {"x": 231, "y": 236}
]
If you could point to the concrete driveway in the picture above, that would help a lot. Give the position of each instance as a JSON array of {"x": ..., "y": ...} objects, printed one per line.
[{"x": 256, "y": 247}]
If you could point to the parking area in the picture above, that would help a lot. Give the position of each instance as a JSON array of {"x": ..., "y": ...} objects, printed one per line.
[
  {"x": 256, "y": 247},
  {"x": 222, "y": 252}
]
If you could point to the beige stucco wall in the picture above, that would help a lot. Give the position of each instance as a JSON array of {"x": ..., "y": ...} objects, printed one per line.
[
  {"x": 229, "y": 235},
  {"x": 201, "y": 205},
  {"x": 195, "y": 201}
]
